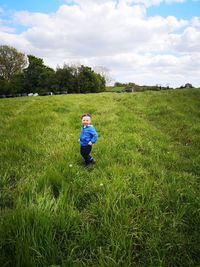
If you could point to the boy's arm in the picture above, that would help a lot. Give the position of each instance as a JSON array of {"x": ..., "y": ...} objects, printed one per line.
[{"x": 94, "y": 135}]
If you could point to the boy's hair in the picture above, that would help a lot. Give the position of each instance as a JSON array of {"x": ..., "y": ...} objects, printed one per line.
[{"x": 86, "y": 115}]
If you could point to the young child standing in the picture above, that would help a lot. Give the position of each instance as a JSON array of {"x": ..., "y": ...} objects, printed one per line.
[{"x": 88, "y": 137}]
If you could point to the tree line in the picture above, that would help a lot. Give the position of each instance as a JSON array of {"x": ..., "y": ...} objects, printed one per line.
[
  {"x": 138, "y": 88},
  {"x": 28, "y": 74}
]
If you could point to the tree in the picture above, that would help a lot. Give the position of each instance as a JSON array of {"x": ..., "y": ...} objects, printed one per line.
[
  {"x": 16, "y": 84},
  {"x": 12, "y": 62},
  {"x": 119, "y": 84},
  {"x": 90, "y": 81},
  {"x": 38, "y": 77},
  {"x": 66, "y": 79},
  {"x": 100, "y": 82},
  {"x": 79, "y": 79},
  {"x": 104, "y": 72}
]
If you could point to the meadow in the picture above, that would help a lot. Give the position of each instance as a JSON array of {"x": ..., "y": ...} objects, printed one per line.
[{"x": 137, "y": 206}]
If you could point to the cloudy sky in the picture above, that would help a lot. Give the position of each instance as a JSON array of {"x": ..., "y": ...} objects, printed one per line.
[{"x": 143, "y": 41}]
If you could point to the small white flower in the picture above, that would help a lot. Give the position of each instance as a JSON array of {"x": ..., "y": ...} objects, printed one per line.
[
  {"x": 70, "y": 165},
  {"x": 101, "y": 184}
]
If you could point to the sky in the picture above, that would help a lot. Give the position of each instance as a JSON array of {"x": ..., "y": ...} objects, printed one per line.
[{"x": 148, "y": 42}]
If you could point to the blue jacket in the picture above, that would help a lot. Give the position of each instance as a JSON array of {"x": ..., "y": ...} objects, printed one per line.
[{"x": 88, "y": 133}]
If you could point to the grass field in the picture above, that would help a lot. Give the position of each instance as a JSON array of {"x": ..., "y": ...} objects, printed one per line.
[
  {"x": 138, "y": 206},
  {"x": 115, "y": 89}
]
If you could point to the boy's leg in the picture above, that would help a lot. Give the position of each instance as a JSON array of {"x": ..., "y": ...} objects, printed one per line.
[
  {"x": 90, "y": 158},
  {"x": 85, "y": 152}
]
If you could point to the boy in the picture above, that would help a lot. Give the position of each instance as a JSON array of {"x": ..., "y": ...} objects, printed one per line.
[{"x": 88, "y": 137}]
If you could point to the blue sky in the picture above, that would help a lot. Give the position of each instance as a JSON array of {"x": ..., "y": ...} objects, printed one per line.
[
  {"x": 134, "y": 39},
  {"x": 184, "y": 10},
  {"x": 33, "y": 6}
]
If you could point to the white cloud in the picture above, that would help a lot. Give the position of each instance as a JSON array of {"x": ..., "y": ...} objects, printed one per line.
[
  {"x": 195, "y": 22},
  {"x": 186, "y": 42},
  {"x": 118, "y": 36},
  {"x": 3, "y": 22}
]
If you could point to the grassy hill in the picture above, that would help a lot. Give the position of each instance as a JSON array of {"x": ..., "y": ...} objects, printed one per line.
[{"x": 138, "y": 206}]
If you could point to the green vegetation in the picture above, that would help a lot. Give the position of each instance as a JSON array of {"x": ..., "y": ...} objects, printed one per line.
[
  {"x": 11, "y": 62},
  {"x": 121, "y": 87},
  {"x": 15, "y": 79},
  {"x": 138, "y": 206},
  {"x": 115, "y": 89}
]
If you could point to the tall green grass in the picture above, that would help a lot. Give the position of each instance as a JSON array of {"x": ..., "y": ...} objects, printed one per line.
[{"x": 138, "y": 206}]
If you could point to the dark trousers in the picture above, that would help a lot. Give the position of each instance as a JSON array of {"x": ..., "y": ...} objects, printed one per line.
[{"x": 85, "y": 153}]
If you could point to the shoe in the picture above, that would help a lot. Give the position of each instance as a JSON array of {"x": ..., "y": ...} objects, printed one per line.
[{"x": 88, "y": 165}]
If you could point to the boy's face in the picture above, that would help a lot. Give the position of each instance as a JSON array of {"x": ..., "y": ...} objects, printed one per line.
[{"x": 86, "y": 120}]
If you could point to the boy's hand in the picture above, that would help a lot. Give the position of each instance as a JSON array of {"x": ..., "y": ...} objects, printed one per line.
[{"x": 90, "y": 143}]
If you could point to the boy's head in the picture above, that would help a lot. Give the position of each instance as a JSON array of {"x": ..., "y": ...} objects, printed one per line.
[{"x": 86, "y": 119}]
